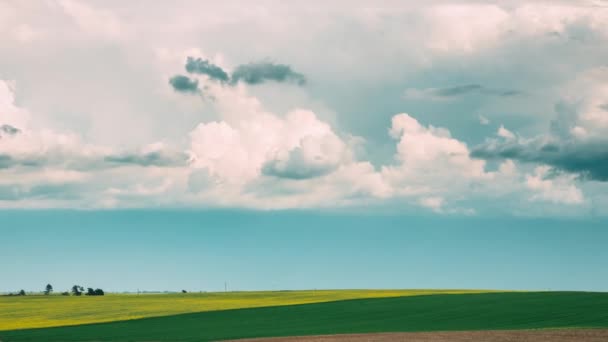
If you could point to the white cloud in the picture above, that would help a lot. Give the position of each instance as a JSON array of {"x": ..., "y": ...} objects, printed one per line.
[
  {"x": 25, "y": 33},
  {"x": 432, "y": 168},
  {"x": 464, "y": 28},
  {"x": 99, "y": 89},
  {"x": 470, "y": 27},
  {"x": 507, "y": 167},
  {"x": 257, "y": 159},
  {"x": 316, "y": 155},
  {"x": 434, "y": 203},
  {"x": 540, "y": 18},
  {"x": 30, "y": 146},
  {"x": 586, "y": 98},
  {"x": 10, "y": 114},
  {"x": 250, "y": 140},
  {"x": 505, "y": 133},
  {"x": 429, "y": 152},
  {"x": 556, "y": 189},
  {"x": 577, "y": 136},
  {"x": 100, "y": 22}
]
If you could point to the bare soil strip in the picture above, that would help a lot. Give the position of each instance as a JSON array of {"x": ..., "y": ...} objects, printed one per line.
[{"x": 563, "y": 335}]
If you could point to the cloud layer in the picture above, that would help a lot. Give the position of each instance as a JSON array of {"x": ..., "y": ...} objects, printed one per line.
[{"x": 398, "y": 107}]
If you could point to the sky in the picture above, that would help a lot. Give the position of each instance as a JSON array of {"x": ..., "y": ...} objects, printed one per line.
[
  {"x": 448, "y": 111},
  {"x": 171, "y": 250}
]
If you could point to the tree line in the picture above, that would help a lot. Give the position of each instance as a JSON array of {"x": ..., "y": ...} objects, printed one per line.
[{"x": 76, "y": 290}]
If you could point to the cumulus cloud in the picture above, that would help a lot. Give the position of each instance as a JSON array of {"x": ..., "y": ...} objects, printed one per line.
[
  {"x": 184, "y": 84},
  {"x": 431, "y": 167},
  {"x": 252, "y": 157},
  {"x": 252, "y": 141},
  {"x": 22, "y": 146},
  {"x": 315, "y": 156},
  {"x": 590, "y": 159},
  {"x": 204, "y": 67},
  {"x": 38, "y": 149},
  {"x": 553, "y": 188},
  {"x": 11, "y": 116},
  {"x": 437, "y": 171},
  {"x": 577, "y": 140},
  {"x": 505, "y": 133},
  {"x": 256, "y": 158},
  {"x": 260, "y": 72},
  {"x": 429, "y": 151}
]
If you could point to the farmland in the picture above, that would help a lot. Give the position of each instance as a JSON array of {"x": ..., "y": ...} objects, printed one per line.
[
  {"x": 51, "y": 311},
  {"x": 427, "y": 312}
]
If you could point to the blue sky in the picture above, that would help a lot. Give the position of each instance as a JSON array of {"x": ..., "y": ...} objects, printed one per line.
[{"x": 199, "y": 250}]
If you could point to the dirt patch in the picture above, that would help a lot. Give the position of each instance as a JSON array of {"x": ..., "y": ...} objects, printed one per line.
[{"x": 566, "y": 335}]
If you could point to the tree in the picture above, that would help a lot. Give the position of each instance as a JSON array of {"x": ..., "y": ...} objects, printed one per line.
[
  {"x": 48, "y": 289},
  {"x": 66, "y": 293},
  {"x": 77, "y": 290},
  {"x": 21, "y": 293},
  {"x": 94, "y": 292},
  {"x": 184, "y": 291}
]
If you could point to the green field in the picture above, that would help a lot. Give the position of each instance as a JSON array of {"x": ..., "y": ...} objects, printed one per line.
[
  {"x": 486, "y": 311},
  {"x": 52, "y": 311}
]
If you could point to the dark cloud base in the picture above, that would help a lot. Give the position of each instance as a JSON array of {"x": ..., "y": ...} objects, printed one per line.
[
  {"x": 470, "y": 89},
  {"x": 184, "y": 84},
  {"x": 149, "y": 159},
  {"x": 589, "y": 159},
  {"x": 9, "y": 130},
  {"x": 204, "y": 67},
  {"x": 251, "y": 73},
  {"x": 257, "y": 73}
]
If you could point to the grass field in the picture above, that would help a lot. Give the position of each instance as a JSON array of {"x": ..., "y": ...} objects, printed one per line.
[
  {"x": 51, "y": 311},
  {"x": 487, "y": 311}
]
